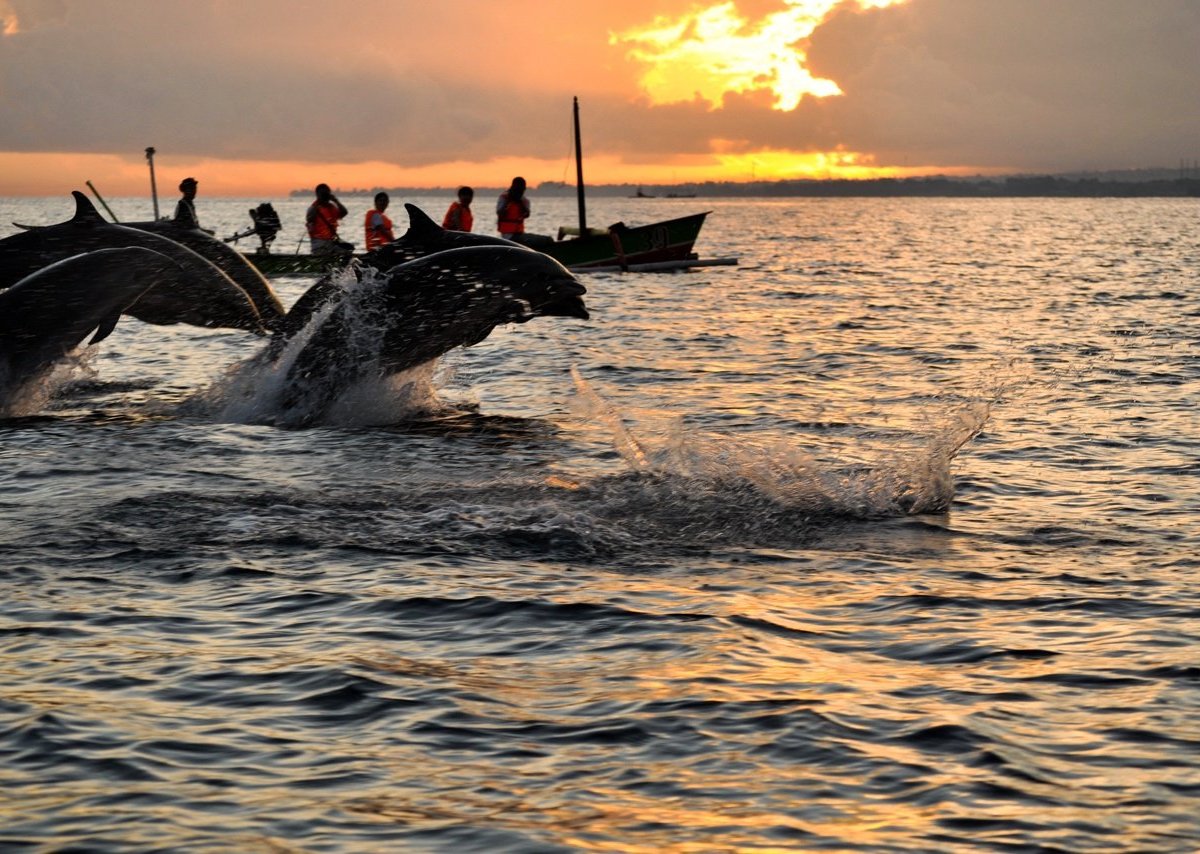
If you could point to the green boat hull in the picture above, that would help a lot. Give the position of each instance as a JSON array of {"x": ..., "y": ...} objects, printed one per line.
[
  {"x": 620, "y": 246},
  {"x": 274, "y": 266}
]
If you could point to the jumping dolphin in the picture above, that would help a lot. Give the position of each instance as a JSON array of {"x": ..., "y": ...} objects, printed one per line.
[
  {"x": 244, "y": 274},
  {"x": 420, "y": 310},
  {"x": 46, "y": 315},
  {"x": 424, "y": 237},
  {"x": 204, "y": 296}
]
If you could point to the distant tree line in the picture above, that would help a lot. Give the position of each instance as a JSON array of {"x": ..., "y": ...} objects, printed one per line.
[{"x": 1014, "y": 186}]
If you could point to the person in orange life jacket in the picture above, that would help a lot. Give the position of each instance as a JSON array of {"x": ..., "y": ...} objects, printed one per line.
[
  {"x": 458, "y": 216},
  {"x": 322, "y": 221},
  {"x": 512, "y": 209},
  {"x": 377, "y": 224}
]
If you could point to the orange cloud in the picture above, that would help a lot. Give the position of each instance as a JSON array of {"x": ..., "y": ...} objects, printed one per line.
[{"x": 707, "y": 53}]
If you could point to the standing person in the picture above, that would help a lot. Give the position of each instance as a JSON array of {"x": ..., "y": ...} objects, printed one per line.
[
  {"x": 322, "y": 220},
  {"x": 459, "y": 216},
  {"x": 185, "y": 208},
  {"x": 512, "y": 209},
  {"x": 377, "y": 224}
]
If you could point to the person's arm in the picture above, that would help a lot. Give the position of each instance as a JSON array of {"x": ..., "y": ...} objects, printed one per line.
[{"x": 342, "y": 212}]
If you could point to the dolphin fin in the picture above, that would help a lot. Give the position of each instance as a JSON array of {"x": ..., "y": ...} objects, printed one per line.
[
  {"x": 85, "y": 211},
  {"x": 107, "y": 325},
  {"x": 419, "y": 221}
]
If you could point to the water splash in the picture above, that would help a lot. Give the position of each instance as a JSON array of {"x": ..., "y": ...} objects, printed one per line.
[
  {"x": 745, "y": 475},
  {"x": 32, "y": 395},
  {"x": 345, "y": 391}
]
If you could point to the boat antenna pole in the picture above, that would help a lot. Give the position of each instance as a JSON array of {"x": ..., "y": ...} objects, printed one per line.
[
  {"x": 579, "y": 174},
  {"x": 153, "y": 185}
]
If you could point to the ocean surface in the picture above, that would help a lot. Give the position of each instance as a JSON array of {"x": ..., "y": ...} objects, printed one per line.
[{"x": 885, "y": 539}]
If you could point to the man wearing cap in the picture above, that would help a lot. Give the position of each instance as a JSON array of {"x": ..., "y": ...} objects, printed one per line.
[{"x": 185, "y": 209}]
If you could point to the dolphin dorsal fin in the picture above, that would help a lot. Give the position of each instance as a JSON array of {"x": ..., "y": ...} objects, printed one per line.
[
  {"x": 419, "y": 221},
  {"x": 85, "y": 211}
]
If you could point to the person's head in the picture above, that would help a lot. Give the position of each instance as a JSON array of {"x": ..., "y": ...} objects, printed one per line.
[
  {"x": 465, "y": 194},
  {"x": 517, "y": 188},
  {"x": 188, "y": 186},
  {"x": 381, "y": 201},
  {"x": 323, "y": 192}
]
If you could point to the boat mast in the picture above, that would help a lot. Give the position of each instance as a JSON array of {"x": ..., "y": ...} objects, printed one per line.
[
  {"x": 153, "y": 185},
  {"x": 579, "y": 174}
]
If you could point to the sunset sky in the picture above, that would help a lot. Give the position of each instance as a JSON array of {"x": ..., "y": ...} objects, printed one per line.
[{"x": 259, "y": 97}]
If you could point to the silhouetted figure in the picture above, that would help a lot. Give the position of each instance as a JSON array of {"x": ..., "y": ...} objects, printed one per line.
[{"x": 185, "y": 208}]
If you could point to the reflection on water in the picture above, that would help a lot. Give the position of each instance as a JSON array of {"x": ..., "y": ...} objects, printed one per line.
[{"x": 883, "y": 540}]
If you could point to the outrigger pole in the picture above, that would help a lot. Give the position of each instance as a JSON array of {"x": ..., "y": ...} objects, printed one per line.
[
  {"x": 579, "y": 175},
  {"x": 100, "y": 198},
  {"x": 153, "y": 185}
]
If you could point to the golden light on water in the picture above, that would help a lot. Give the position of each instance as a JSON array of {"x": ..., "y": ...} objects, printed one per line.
[{"x": 709, "y": 52}]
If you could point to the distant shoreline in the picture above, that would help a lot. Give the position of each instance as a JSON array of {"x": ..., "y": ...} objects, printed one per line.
[{"x": 1048, "y": 186}]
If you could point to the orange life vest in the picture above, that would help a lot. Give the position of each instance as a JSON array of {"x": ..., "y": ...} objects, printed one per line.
[
  {"x": 324, "y": 224},
  {"x": 376, "y": 237},
  {"x": 458, "y": 218},
  {"x": 512, "y": 216}
]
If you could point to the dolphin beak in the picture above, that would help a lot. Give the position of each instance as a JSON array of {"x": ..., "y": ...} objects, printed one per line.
[
  {"x": 566, "y": 306},
  {"x": 566, "y": 300}
]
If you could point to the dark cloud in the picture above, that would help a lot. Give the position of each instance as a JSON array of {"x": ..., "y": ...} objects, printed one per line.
[
  {"x": 1024, "y": 84},
  {"x": 1016, "y": 83}
]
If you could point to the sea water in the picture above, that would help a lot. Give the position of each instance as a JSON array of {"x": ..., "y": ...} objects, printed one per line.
[{"x": 884, "y": 539}]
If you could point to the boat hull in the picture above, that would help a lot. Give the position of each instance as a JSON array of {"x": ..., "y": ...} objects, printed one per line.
[
  {"x": 622, "y": 246},
  {"x": 669, "y": 240},
  {"x": 274, "y": 266}
]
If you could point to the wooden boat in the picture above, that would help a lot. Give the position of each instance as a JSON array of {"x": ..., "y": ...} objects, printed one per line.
[
  {"x": 663, "y": 245},
  {"x": 667, "y": 244},
  {"x": 619, "y": 245}
]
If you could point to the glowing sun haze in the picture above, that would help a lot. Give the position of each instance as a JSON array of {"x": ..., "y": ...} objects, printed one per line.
[
  {"x": 710, "y": 51},
  {"x": 264, "y": 97}
]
